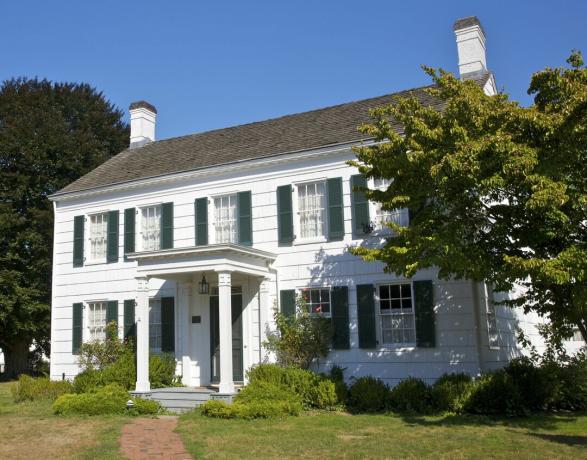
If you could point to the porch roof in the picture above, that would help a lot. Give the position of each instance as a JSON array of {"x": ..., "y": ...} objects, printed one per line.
[{"x": 215, "y": 257}]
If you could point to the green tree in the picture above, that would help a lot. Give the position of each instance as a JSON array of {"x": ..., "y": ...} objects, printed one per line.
[
  {"x": 497, "y": 191},
  {"x": 50, "y": 135}
]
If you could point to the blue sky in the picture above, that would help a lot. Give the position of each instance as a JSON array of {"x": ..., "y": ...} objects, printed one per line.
[{"x": 211, "y": 64}]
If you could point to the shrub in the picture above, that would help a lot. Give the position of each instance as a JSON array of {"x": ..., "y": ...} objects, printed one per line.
[
  {"x": 450, "y": 392},
  {"x": 535, "y": 384},
  {"x": 162, "y": 371},
  {"x": 27, "y": 388},
  {"x": 570, "y": 393},
  {"x": 301, "y": 338},
  {"x": 411, "y": 395},
  {"x": 251, "y": 409},
  {"x": 368, "y": 394},
  {"x": 341, "y": 389},
  {"x": 217, "y": 409},
  {"x": 86, "y": 382},
  {"x": 314, "y": 390},
  {"x": 265, "y": 391},
  {"x": 110, "y": 399},
  {"x": 496, "y": 393}
]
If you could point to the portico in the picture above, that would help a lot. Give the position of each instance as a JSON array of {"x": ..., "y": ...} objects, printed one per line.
[{"x": 232, "y": 270}]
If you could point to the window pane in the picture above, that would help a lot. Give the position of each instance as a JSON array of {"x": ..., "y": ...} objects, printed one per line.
[
  {"x": 407, "y": 304},
  {"x": 396, "y": 303},
  {"x": 311, "y": 206},
  {"x": 406, "y": 290},
  {"x": 317, "y": 301},
  {"x": 384, "y": 292},
  {"x": 385, "y": 304},
  {"x": 395, "y": 291}
]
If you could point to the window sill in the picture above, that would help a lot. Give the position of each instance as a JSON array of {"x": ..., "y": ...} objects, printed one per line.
[
  {"x": 398, "y": 347},
  {"x": 96, "y": 262},
  {"x": 494, "y": 347},
  {"x": 298, "y": 242}
]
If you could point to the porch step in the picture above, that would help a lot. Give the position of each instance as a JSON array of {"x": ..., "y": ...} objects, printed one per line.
[{"x": 180, "y": 399}]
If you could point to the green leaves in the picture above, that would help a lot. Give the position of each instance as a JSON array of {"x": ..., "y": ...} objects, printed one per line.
[
  {"x": 50, "y": 135},
  {"x": 499, "y": 190}
]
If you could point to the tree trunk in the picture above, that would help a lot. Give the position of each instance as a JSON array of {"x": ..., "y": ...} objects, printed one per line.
[{"x": 16, "y": 357}]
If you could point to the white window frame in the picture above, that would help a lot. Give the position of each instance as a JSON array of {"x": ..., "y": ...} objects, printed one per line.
[
  {"x": 140, "y": 227},
  {"x": 379, "y": 315},
  {"x": 375, "y": 210},
  {"x": 89, "y": 258},
  {"x": 301, "y": 291},
  {"x": 297, "y": 213},
  {"x": 493, "y": 339},
  {"x": 88, "y": 320},
  {"x": 212, "y": 217},
  {"x": 155, "y": 328}
]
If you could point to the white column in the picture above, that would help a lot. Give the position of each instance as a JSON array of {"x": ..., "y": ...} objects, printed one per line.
[
  {"x": 142, "y": 319},
  {"x": 265, "y": 312},
  {"x": 225, "y": 321},
  {"x": 185, "y": 309}
]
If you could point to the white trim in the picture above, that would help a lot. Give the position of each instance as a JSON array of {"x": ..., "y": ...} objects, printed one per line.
[
  {"x": 239, "y": 165},
  {"x": 394, "y": 346}
]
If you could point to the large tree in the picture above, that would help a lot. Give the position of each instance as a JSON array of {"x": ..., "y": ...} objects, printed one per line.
[
  {"x": 497, "y": 191},
  {"x": 50, "y": 135}
]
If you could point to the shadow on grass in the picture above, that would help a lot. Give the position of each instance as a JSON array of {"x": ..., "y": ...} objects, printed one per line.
[
  {"x": 562, "y": 439},
  {"x": 534, "y": 422}
]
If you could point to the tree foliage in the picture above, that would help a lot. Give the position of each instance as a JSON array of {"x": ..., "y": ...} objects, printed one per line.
[
  {"x": 50, "y": 135},
  {"x": 300, "y": 339},
  {"x": 497, "y": 191}
]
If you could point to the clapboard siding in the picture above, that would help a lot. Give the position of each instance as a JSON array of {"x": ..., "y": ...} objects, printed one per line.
[{"x": 298, "y": 265}]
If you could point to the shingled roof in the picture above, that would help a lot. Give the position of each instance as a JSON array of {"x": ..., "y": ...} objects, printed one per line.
[{"x": 291, "y": 133}]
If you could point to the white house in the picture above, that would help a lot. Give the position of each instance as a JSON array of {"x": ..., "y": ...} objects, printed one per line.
[{"x": 262, "y": 212}]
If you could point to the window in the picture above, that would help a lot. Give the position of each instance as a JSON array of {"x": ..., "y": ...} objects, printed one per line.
[
  {"x": 383, "y": 216},
  {"x": 396, "y": 312},
  {"x": 492, "y": 330},
  {"x": 155, "y": 325},
  {"x": 151, "y": 228},
  {"x": 97, "y": 321},
  {"x": 317, "y": 301},
  {"x": 312, "y": 210},
  {"x": 225, "y": 223},
  {"x": 98, "y": 236},
  {"x": 576, "y": 336}
]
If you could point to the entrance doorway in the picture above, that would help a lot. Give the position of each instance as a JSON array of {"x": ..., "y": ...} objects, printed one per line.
[{"x": 236, "y": 300}]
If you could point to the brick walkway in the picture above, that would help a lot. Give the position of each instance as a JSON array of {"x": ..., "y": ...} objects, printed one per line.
[{"x": 149, "y": 438}]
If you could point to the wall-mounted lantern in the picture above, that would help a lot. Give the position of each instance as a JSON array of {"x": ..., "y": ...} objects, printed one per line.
[{"x": 204, "y": 286}]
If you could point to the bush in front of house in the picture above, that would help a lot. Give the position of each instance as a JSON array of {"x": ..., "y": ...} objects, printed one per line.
[
  {"x": 28, "y": 388},
  {"x": 411, "y": 395},
  {"x": 336, "y": 375},
  {"x": 368, "y": 394},
  {"x": 570, "y": 393},
  {"x": 162, "y": 371},
  {"x": 315, "y": 391},
  {"x": 108, "y": 400},
  {"x": 450, "y": 392}
]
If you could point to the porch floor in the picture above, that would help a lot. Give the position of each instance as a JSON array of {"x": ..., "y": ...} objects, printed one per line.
[{"x": 183, "y": 399}]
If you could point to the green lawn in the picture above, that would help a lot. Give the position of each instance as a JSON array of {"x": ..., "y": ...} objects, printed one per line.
[
  {"x": 30, "y": 430},
  {"x": 338, "y": 435}
]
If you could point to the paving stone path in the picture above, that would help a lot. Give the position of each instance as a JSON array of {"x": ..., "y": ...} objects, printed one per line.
[{"x": 149, "y": 438}]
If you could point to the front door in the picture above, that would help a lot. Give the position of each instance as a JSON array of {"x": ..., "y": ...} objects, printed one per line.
[{"x": 237, "y": 335}]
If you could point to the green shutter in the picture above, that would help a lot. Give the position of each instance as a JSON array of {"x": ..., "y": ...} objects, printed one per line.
[
  {"x": 167, "y": 324},
  {"x": 425, "y": 317},
  {"x": 360, "y": 205},
  {"x": 335, "y": 209},
  {"x": 129, "y": 230},
  {"x": 167, "y": 226},
  {"x": 245, "y": 219},
  {"x": 284, "y": 215},
  {"x": 201, "y": 213},
  {"x": 112, "y": 313},
  {"x": 340, "y": 317},
  {"x": 130, "y": 329},
  {"x": 76, "y": 328},
  {"x": 78, "y": 241},
  {"x": 366, "y": 316},
  {"x": 287, "y": 302},
  {"x": 112, "y": 239}
]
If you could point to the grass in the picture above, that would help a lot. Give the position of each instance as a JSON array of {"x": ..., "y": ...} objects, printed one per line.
[
  {"x": 339, "y": 435},
  {"x": 30, "y": 430}
]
